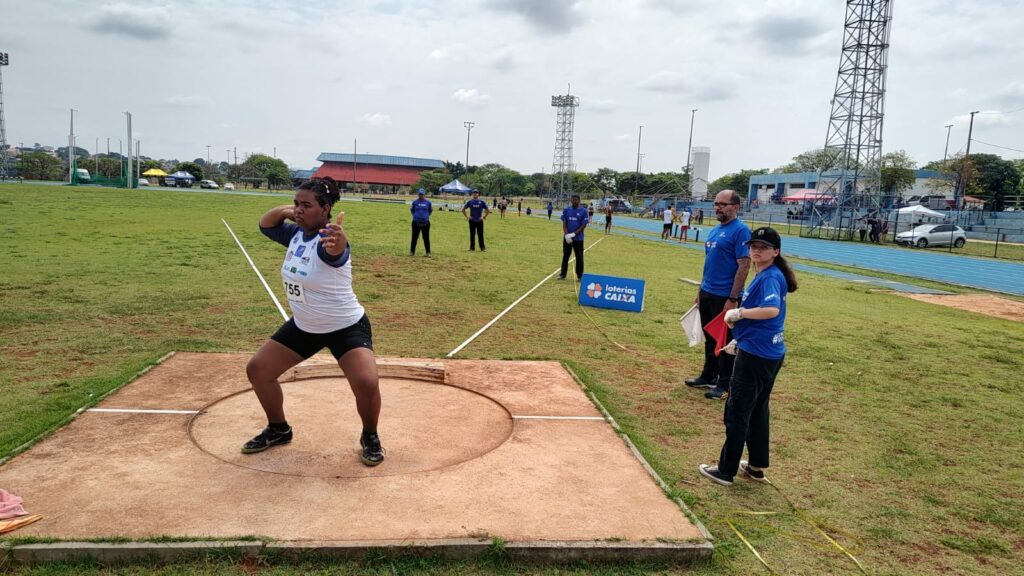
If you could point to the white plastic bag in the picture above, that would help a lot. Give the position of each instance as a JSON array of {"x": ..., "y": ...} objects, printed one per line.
[{"x": 692, "y": 326}]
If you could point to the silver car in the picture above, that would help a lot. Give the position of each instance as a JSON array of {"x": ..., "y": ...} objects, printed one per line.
[{"x": 926, "y": 235}]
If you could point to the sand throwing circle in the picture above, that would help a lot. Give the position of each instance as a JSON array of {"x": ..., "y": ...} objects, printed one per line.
[{"x": 423, "y": 426}]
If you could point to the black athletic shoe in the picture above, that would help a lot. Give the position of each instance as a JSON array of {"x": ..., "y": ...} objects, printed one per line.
[
  {"x": 561, "y": 277},
  {"x": 698, "y": 382},
  {"x": 716, "y": 393},
  {"x": 266, "y": 439},
  {"x": 755, "y": 475},
  {"x": 373, "y": 453},
  {"x": 712, "y": 473}
]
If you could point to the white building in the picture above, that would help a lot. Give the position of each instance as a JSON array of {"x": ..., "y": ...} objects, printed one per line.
[{"x": 701, "y": 168}]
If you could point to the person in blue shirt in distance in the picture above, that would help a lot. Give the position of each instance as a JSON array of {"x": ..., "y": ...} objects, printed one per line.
[
  {"x": 760, "y": 348},
  {"x": 551, "y": 208},
  {"x": 421, "y": 210},
  {"x": 574, "y": 219},
  {"x": 478, "y": 212}
]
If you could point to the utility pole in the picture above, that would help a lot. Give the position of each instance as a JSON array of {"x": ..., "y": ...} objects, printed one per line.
[
  {"x": 207, "y": 156},
  {"x": 946, "y": 151},
  {"x": 960, "y": 190},
  {"x": 108, "y": 146},
  {"x": 138, "y": 163},
  {"x": 689, "y": 147},
  {"x": 4, "y": 61},
  {"x": 636, "y": 178},
  {"x": 128, "y": 171},
  {"x": 71, "y": 150},
  {"x": 96, "y": 155},
  {"x": 469, "y": 128}
]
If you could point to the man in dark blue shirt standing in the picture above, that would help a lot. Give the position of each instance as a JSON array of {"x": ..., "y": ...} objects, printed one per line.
[
  {"x": 478, "y": 211},
  {"x": 421, "y": 209},
  {"x": 574, "y": 219},
  {"x": 551, "y": 208},
  {"x": 726, "y": 265}
]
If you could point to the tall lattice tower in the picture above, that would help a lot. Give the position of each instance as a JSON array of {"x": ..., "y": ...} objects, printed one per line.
[
  {"x": 4, "y": 61},
  {"x": 561, "y": 166},
  {"x": 853, "y": 143}
]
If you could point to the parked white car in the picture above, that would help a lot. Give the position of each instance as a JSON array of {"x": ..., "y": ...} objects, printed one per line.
[
  {"x": 229, "y": 186},
  {"x": 144, "y": 182},
  {"x": 208, "y": 184},
  {"x": 926, "y": 235}
]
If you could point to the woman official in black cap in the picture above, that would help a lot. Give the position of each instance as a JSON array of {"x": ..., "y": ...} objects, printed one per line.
[{"x": 757, "y": 325}]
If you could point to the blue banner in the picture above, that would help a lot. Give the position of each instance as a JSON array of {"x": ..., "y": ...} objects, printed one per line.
[{"x": 612, "y": 292}]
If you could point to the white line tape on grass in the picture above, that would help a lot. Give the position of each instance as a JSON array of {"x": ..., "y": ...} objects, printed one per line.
[
  {"x": 256, "y": 270},
  {"x": 513, "y": 305},
  {"x": 141, "y": 411}
]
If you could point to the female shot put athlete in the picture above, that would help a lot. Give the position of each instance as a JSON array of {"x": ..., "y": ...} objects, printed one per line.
[{"x": 317, "y": 274}]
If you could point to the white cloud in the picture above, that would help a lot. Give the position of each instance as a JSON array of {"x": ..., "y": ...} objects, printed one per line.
[
  {"x": 623, "y": 137},
  {"x": 599, "y": 105},
  {"x": 377, "y": 119},
  {"x": 186, "y": 101},
  {"x": 664, "y": 81},
  {"x": 983, "y": 118},
  {"x": 549, "y": 16},
  {"x": 471, "y": 97},
  {"x": 439, "y": 53},
  {"x": 139, "y": 22}
]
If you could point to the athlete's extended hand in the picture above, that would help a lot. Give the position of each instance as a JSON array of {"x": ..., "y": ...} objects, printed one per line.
[{"x": 332, "y": 236}]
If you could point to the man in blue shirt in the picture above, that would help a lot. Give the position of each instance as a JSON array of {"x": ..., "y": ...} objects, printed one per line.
[
  {"x": 478, "y": 211},
  {"x": 551, "y": 208},
  {"x": 726, "y": 265},
  {"x": 574, "y": 219},
  {"x": 421, "y": 209}
]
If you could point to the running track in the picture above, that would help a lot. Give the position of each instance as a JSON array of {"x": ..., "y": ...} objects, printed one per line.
[{"x": 987, "y": 274}]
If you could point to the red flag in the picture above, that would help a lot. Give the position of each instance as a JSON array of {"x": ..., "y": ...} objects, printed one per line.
[{"x": 718, "y": 331}]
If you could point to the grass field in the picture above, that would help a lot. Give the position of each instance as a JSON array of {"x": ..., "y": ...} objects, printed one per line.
[{"x": 897, "y": 425}]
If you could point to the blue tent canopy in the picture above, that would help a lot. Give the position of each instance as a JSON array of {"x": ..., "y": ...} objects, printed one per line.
[
  {"x": 456, "y": 187},
  {"x": 182, "y": 175}
]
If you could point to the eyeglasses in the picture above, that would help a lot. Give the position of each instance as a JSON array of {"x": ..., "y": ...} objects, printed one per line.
[{"x": 724, "y": 204}]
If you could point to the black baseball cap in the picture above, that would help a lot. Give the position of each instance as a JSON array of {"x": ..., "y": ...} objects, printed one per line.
[{"x": 767, "y": 236}]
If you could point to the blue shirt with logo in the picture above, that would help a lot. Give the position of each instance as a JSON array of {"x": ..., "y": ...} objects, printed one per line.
[
  {"x": 573, "y": 218},
  {"x": 724, "y": 245},
  {"x": 764, "y": 338},
  {"x": 421, "y": 210},
  {"x": 476, "y": 209}
]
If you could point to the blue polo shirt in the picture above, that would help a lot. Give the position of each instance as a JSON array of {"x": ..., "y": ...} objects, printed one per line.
[
  {"x": 421, "y": 210},
  {"x": 573, "y": 217},
  {"x": 476, "y": 209},
  {"x": 724, "y": 245},
  {"x": 764, "y": 338}
]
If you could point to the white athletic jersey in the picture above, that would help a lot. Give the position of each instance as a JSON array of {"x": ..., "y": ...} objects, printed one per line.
[
  {"x": 320, "y": 295},
  {"x": 685, "y": 218},
  {"x": 666, "y": 216}
]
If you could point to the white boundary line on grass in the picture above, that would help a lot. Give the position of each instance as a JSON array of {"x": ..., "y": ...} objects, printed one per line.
[
  {"x": 141, "y": 411},
  {"x": 513, "y": 305},
  {"x": 256, "y": 270}
]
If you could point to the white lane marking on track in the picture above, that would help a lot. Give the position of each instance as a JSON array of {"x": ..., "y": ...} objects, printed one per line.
[
  {"x": 141, "y": 411},
  {"x": 558, "y": 417}
]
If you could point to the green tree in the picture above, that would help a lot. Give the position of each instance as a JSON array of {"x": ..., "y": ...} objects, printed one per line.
[
  {"x": 274, "y": 171},
  {"x": 738, "y": 181},
  {"x": 456, "y": 169},
  {"x": 192, "y": 168},
  {"x": 431, "y": 180},
  {"x": 150, "y": 164},
  {"x": 897, "y": 172},
  {"x": 606, "y": 179},
  {"x": 42, "y": 166},
  {"x": 998, "y": 179},
  {"x": 816, "y": 160}
]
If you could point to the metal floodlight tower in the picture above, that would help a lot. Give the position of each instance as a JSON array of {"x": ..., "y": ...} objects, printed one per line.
[
  {"x": 853, "y": 142},
  {"x": 4, "y": 61},
  {"x": 561, "y": 165}
]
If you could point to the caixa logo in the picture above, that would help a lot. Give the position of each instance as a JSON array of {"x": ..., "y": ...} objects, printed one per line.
[{"x": 612, "y": 292}]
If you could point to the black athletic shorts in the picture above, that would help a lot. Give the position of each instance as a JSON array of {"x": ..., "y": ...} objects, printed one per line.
[
  {"x": 667, "y": 226},
  {"x": 305, "y": 344}
]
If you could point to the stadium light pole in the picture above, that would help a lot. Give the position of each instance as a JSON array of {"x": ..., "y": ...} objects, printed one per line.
[
  {"x": 71, "y": 149},
  {"x": 689, "y": 148},
  {"x": 636, "y": 177},
  {"x": 207, "y": 156},
  {"x": 469, "y": 128},
  {"x": 961, "y": 189}
]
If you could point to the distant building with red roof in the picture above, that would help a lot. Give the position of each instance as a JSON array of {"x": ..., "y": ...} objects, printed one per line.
[{"x": 373, "y": 171}]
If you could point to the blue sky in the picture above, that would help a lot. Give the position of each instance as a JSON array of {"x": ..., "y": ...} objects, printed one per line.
[{"x": 403, "y": 76}]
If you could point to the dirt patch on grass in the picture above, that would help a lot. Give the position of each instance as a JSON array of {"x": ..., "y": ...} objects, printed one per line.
[{"x": 980, "y": 303}]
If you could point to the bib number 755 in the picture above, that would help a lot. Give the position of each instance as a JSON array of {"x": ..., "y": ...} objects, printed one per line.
[{"x": 294, "y": 292}]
